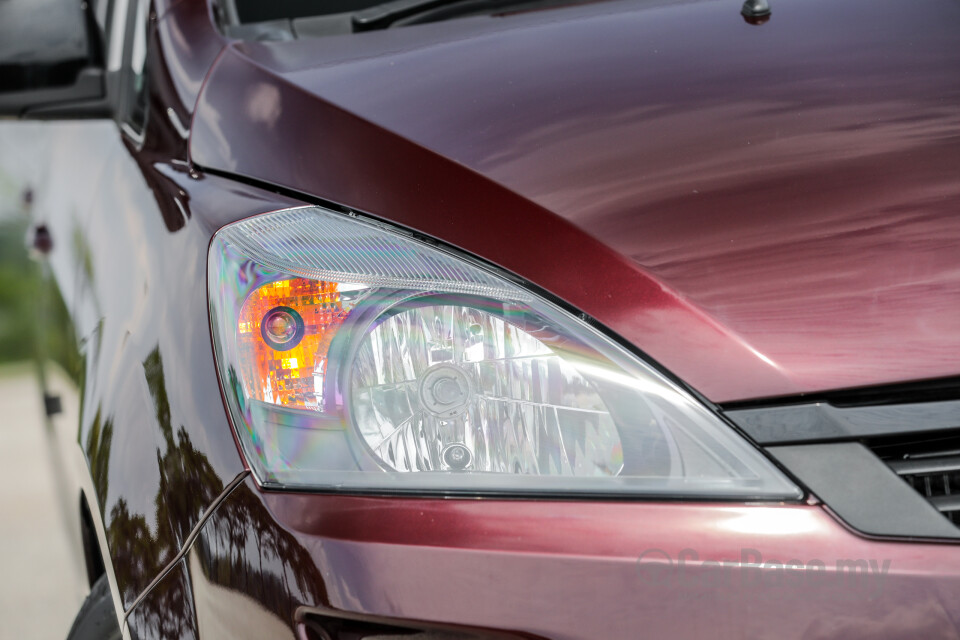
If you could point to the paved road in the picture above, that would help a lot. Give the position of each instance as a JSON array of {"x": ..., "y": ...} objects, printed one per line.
[{"x": 40, "y": 586}]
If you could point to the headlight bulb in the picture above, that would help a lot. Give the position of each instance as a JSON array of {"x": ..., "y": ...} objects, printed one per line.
[
  {"x": 282, "y": 328},
  {"x": 445, "y": 390}
]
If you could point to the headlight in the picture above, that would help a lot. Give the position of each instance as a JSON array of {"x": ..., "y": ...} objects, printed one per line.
[{"x": 356, "y": 357}]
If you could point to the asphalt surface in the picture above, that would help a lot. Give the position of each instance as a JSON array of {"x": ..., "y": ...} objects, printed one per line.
[{"x": 41, "y": 587}]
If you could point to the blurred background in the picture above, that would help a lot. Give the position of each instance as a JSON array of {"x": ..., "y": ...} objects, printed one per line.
[{"x": 42, "y": 586}]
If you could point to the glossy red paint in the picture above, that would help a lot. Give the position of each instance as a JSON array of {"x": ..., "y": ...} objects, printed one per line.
[
  {"x": 574, "y": 569},
  {"x": 841, "y": 202},
  {"x": 189, "y": 44},
  {"x": 765, "y": 210}
]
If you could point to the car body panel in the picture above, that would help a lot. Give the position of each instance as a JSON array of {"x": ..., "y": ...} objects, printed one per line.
[
  {"x": 814, "y": 156},
  {"x": 159, "y": 450},
  {"x": 132, "y": 225},
  {"x": 511, "y": 566},
  {"x": 167, "y": 610}
]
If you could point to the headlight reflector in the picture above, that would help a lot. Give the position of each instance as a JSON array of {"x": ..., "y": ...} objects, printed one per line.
[
  {"x": 356, "y": 357},
  {"x": 445, "y": 386}
]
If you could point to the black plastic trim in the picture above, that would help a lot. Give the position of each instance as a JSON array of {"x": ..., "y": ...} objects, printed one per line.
[
  {"x": 820, "y": 422},
  {"x": 85, "y": 98},
  {"x": 863, "y": 491},
  {"x": 322, "y": 623},
  {"x": 910, "y": 392}
]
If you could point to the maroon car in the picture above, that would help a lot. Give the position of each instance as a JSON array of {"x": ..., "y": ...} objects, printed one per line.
[{"x": 499, "y": 319}]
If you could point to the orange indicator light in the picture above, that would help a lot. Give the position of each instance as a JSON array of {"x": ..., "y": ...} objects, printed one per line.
[{"x": 291, "y": 377}]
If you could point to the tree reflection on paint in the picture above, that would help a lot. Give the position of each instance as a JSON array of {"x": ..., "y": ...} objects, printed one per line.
[
  {"x": 188, "y": 485},
  {"x": 280, "y": 574}
]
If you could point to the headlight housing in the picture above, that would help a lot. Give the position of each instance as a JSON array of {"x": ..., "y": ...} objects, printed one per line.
[{"x": 356, "y": 357}]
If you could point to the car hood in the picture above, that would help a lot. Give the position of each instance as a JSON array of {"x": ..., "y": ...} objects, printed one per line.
[{"x": 765, "y": 209}]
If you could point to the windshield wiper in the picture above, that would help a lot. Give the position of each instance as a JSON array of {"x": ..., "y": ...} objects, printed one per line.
[{"x": 382, "y": 15}]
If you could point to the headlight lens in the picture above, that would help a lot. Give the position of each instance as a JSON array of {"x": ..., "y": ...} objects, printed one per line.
[
  {"x": 438, "y": 385},
  {"x": 355, "y": 357}
]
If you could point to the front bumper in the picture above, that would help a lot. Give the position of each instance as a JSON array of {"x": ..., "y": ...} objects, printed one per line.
[{"x": 273, "y": 564}]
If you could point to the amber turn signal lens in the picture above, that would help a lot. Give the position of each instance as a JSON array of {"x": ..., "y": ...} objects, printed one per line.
[{"x": 284, "y": 333}]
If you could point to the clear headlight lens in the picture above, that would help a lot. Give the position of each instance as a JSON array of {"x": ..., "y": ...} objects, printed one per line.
[
  {"x": 355, "y": 357},
  {"x": 437, "y": 385}
]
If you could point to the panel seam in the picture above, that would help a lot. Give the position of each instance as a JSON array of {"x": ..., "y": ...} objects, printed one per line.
[{"x": 188, "y": 542}]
